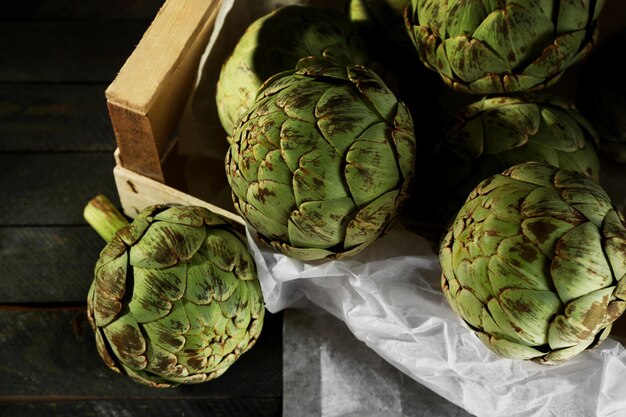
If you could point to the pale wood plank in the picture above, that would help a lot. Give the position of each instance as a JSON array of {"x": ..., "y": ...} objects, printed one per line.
[{"x": 137, "y": 192}]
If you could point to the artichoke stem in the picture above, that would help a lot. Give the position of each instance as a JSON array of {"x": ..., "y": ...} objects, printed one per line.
[{"x": 105, "y": 219}]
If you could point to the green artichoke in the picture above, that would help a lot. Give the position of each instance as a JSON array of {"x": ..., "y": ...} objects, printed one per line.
[
  {"x": 535, "y": 263},
  {"x": 501, "y": 46},
  {"x": 602, "y": 96},
  {"x": 495, "y": 133},
  {"x": 175, "y": 298},
  {"x": 275, "y": 43},
  {"x": 322, "y": 161}
]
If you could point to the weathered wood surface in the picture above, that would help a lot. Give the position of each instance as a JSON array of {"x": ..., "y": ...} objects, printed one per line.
[
  {"x": 47, "y": 189},
  {"x": 80, "y": 10},
  {"x": 47, "y": 264},
  {"x": 54, "y": 117},
  {"x": 49, "y": 364},
  {"x": 60, "y": 51}
]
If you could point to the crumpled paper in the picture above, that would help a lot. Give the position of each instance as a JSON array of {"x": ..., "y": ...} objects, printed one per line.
[{"x": 389, "y": 298}]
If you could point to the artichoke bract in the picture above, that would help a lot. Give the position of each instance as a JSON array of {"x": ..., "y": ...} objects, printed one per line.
[
  {"x": 602, "y": 96},
  {"x": 175, "y": 297},
  {"x": 535, "y": 263},
  {"x": 501, "y": 46},
  {"x": 322, "y": 161},
  {"x": 275, "y": 43},
  {"x": 497, "y": 132}
]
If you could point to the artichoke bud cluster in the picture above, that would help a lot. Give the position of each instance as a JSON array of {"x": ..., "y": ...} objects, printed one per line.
[
  {"x": 175, "y": 297},
  {"x": 534, "y": 257},
  {"x": 321, "y": 160}
]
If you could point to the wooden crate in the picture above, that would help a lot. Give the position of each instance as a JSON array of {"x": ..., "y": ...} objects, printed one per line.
[{"x": 146, "y": 101}]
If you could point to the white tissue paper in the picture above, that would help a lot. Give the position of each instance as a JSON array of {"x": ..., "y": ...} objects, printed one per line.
[{"x": 389, "y": 295}]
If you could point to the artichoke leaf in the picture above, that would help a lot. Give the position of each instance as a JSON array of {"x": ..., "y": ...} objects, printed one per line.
[
  {"x": 544, "y": 233},
  {"x": 271, "y": 199},
  {"x": 515, "y": 33},
  {"x": 463, "y": 17},
  {"x": 546, "y": 202},
  {"x": 109, "y": 289},
  {"x": 531, "y": 311},
  {"x": 201, "y": 280},
  {"x": 154, "y": 291},
  {"x": 319, "y": 177},
  {"x": 510, "y": 127},
  {"x": 165, "y": 244},
  {"x": 126, "y": 341},
  {"x": 374, "y": 90},
  {"x": 471, "y": 59},
  {"x": 583, "y": 318},
  {"x": 556, "y": 56},
  {"x": 614, "y": 233},
  {"x": 580, "y": 266},
  {"x": 370, "y": 220},
  {"x": 187, "y": 215},
  {"x": 342, "y": 115},
  {"x": 371, "y": 168},
  {"x": 511, "y": 350},
  {"x": 320, "y": 224}
]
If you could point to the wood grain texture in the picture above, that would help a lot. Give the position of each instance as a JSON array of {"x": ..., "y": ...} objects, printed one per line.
[
  {"x": 127, "y": 407},
  {"x": 80, "y": 9},
  {"x": 47, "y": 264},
  {"x": 49, "y": 356},
  {"x": 54, "y": 117},
  {"x": 81, "y": 51},
  {"x": 52, "y": 188}
]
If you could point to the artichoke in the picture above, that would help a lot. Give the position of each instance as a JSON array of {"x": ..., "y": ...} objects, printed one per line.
[
  {"x": 535, "y": 263},
  {"x": 175, "y": 297},
  {"x": 495, "y": 133},
  {"x": 501, "y": 46},
  {"x": 275, "y": 43},
  {"x": 602, "y": 96},
  {"x": 322, "y": 161}
]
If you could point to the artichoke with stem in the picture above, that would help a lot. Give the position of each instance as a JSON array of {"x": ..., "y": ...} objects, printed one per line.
[
  {"x": 321, "y": 163},
  {"x": 175, "y": 297},
  {"x": 535, "y": 263},
  {"x": 501, "y": 46},
  {"x": 275, "y": 43}
]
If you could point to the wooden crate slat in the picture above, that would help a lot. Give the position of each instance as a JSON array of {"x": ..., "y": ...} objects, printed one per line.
[
  {"x": 54, "y": 117},
  {"x": 137, "y": 192},
  {"x": 148, "y": 96},
  {"x": 51, "y": 353},
  {"x": 79, "y": 51},
  {"x": 52, "y": 188}
]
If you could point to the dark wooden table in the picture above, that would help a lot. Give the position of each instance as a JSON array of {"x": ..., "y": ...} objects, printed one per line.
[{"x": 56, "y": 152}]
